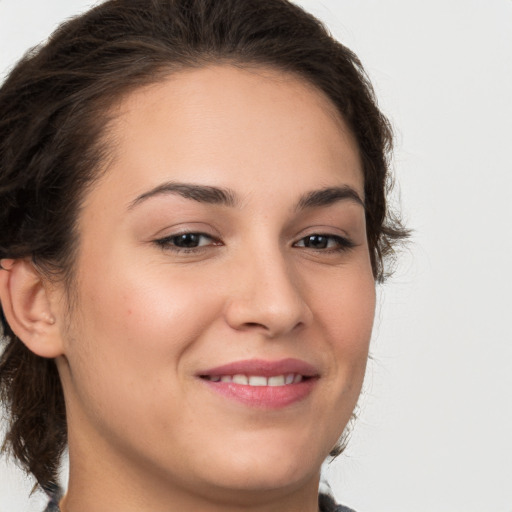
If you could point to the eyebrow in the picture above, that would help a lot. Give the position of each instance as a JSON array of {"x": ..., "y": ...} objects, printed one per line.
[
  {"x": 328, "y": 196},
  {"x": 200, "y": 193},
  {"x": 226, "y": 197}
]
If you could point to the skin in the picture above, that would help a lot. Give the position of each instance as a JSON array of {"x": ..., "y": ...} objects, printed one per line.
[{"x": 145, "y": 433}]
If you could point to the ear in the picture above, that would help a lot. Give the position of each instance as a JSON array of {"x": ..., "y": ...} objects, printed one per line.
[{"x": 27, "y": 307}]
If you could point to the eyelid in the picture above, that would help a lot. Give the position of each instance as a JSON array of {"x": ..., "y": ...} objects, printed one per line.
[
  {"x": 344, "y": 243},
  {"x": 166, "y": 242},
  {"x": 335, "y": 242}
]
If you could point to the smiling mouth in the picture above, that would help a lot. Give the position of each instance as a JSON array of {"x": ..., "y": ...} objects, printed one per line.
[
  {"x": 258, "y": 380},
  {"x": 263, "y": 384}
]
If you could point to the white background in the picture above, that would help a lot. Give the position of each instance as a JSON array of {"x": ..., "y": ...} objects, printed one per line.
[{"x": 435, "y": 432}]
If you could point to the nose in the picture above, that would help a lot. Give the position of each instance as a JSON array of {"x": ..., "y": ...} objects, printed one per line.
[{"x": 266, "y": 296}]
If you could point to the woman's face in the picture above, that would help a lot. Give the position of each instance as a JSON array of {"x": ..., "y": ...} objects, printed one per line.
[{"x": 225, "y": 296}]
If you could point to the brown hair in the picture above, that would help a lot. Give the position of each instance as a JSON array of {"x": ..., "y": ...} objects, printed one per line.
[{"x": 52, "y": 124}]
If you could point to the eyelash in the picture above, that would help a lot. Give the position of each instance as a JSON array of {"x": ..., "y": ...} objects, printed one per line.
[
  {"x": 169, "y": 243},
  {"x": 342, "y": 243}
]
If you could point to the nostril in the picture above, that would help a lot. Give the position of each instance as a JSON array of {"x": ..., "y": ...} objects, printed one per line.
[
  {"x": 268, "y": 313},
  {"x": 257, "y": 325}
]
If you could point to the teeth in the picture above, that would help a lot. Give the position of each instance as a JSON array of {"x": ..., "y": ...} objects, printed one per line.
[
  {"x": 240, "y": 379},
  {"x": 276, "y": 381},
  {"x": 258, "y": 380}
]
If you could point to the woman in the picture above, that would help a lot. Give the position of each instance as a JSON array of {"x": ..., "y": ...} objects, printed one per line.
[{"x": 193, "y": 221}]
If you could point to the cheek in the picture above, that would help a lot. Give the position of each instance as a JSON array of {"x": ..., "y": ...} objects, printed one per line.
[
  {"x": 132, "y": 332},
  {"x": 128, "y": 350},
  {"x": 345, "y": 310},
  {"x": 345, "y": 304},
  {"x": 144, "y": 314}
]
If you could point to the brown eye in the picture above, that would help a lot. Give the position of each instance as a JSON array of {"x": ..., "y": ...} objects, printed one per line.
[
  {"x": 185, "y": 241},
  {"x": 320, "y": 242},
  {"x": 316, "y": 241}
]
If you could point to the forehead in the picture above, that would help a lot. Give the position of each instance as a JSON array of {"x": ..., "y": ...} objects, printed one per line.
[{"x": 225, "y": 122}]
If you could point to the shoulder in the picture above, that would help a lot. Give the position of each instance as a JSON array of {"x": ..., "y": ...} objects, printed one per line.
[
  {"x": 52, "y": 507},
  {"x": 55, "y": 494},
  {"x": 327, "y": 504}
]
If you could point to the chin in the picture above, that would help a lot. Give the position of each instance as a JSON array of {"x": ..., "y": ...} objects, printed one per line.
[{"x": 269, "y": 464}]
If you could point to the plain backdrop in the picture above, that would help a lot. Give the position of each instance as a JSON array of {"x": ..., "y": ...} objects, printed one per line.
[{"x": 435, "y": 427}]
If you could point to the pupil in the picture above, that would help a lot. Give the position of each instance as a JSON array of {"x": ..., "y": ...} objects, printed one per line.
[
  {"x": 316, "y": 241},
  {"x": 187, "y": 240}
]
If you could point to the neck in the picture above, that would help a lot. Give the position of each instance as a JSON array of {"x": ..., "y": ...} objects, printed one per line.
[{"x": 110, "y": 499}]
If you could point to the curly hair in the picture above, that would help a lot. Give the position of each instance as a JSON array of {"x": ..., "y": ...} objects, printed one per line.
[{"x": 53, "y": 113}]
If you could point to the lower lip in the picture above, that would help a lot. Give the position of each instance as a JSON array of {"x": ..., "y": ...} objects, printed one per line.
[{"x": 267, "y": 397}]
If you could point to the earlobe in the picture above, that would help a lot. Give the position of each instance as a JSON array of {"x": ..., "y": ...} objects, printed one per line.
[{"x": 27, "y": 307}]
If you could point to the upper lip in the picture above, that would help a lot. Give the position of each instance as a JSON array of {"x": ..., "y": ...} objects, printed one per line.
[{"x": 263, "y": 367}]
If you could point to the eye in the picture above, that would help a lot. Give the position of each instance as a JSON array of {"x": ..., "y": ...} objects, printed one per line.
[
  {"x": 186, "y": 241},
  {"x": 325, "y": 242}
]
